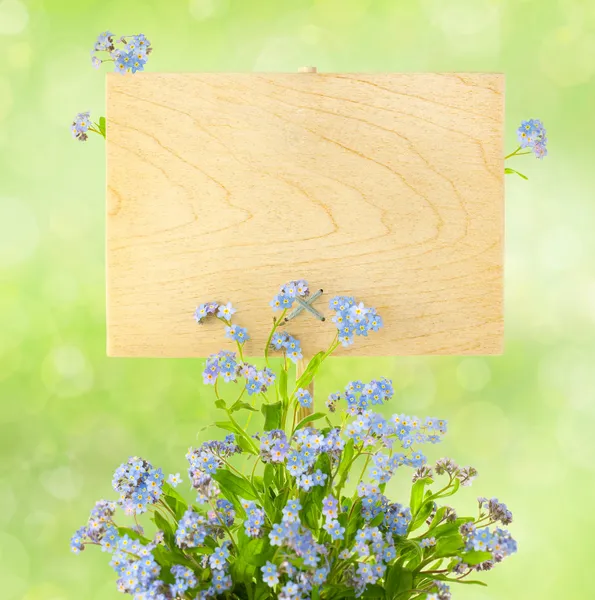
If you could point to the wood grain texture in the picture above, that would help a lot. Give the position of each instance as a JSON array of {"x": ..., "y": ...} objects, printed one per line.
[{"x": 385, "y": 186}]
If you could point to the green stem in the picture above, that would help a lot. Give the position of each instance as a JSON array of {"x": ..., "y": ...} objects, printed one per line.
[
  {"x": 512, "y": 154},
  {"x": 275, "y": 326},
  {"x": 516, "y": 153}
]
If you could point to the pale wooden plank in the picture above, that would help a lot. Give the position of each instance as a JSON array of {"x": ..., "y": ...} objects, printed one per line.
[{"x": 385, "y": 186}]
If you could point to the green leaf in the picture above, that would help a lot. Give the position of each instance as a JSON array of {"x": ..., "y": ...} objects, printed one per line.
[
  {"x": 262, "y": 592},
  {"x": 374, "y": 591},
  {"x": 246, "y": 445},
  {"x": 345, "y": 463},
  {"x": 420, "y": 518},
  {"x": 334, "y": 591},
  {"x": 377, "y": 520},
  {"x": 450, "y": 545},
  {"x": 242, "y": 405},
  {"x": 257, "y": 551},
  {"x": 417, "y": 493},
  {"x": 102, "y": 126},
  {"x": 272, "y": 415},
  {"x": 243, "y": 441},
  {"x": 310, "y": 372},
  {"x": 269, "y": 475},
  {"x": 220, "y": 403},
  {"x": 234, "y": 484},
  {"x": 509, "y": 171},
  {"x": 353, "y": 524},
  {"x": 398, "y": 580},
  {"x": 475, "y": 557},
  {"x": 312, "y": 503},
  {"x": 309, "y": 418},
  {"x": 448, "y": 528},
  {"x": 229, "y": 426}
]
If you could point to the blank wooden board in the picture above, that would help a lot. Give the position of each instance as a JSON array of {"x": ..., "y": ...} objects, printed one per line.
[{"x": 388, "y": 187}]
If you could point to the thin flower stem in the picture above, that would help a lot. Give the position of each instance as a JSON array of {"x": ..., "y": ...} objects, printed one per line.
[
  {"x": 268, "y": 345},
  {"x": 512, "y": 153},
  {"x": 224, "y": 525}
]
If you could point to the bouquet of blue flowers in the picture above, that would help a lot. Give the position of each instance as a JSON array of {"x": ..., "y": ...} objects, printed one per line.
[{"x": 298, "y": 510}]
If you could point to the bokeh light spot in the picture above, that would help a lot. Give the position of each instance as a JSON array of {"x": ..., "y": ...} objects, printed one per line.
[
  {"x": 19, "y": 232},
  {"x": 66, "y": 372},
  {"x": 206, "y": 9},
  {"x": 13, "y": 17},
  {"x": 62, "y": 483},
  {"x": 482, "y": 426},
  {"x": 473, "y": 374}
]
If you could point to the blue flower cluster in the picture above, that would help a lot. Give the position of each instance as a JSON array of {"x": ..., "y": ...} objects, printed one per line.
[
  {"x": 138, "y": 572},
  {"x": 440, "y": 591},
  {"x": 132, "y": 55},
  {"x": 292, "y": 347},
  {"x": 192, "y": 530},
  {"x": 308, "y": 444},
  {"x": 80, "y": 126},
  {"x": 205, "y": 310},
  {"x": 353, "y": 319},
  {"x": 184, "y": 580},
  {"x": 225, "y": 364},
  {"x": 497, "y": 511},
  {"x": 465, "y": 475},
  {"x": 133, "y": 561},
  {"x": 360, "y": 396},
  {"x": 205, "y": 461},
  {"x": 369, "y": 428},
  {"x": 273, "y": 446},
  {"x": 532, "y": 134},
  {"x": 254, "y": 519},
  {"x": 139, "y": 485},
  {"x": 291, "y": 535},
  {"x": 498, "y": 542},
  {"x": 396, "y": 516},
  {"x": 288, "y": 293},
  {"x": 99, "y": 527}
]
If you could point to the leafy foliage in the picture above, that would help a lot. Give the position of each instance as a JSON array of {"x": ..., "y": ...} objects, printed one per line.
[{"x": 293, "y": 511}]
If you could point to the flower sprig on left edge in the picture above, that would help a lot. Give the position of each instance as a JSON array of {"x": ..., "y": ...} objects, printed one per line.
[
  {"x": 129, "y": 54},
  {"x": 294, "y": 512}
]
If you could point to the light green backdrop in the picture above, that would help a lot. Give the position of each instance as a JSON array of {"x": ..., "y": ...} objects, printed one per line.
[{"x": 69, "y": 415}]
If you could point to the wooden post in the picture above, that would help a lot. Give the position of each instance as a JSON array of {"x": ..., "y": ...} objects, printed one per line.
[{"x": 303, "y": 362}]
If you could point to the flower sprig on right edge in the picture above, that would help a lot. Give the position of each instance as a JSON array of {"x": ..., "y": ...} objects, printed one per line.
[
  {"x": 129, "y": 54},
  {"x": 532, "y": 135}
]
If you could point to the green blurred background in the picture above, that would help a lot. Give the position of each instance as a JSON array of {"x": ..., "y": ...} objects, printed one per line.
[{"x": 70, "y": 415}]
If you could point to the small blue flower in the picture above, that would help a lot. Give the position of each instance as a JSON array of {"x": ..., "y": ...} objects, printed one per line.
[
  {"x": 174, "y": 480},
  {"x": 278, "y": 340},
  {"x": 270, "y": 575},
  {"x": 334, "y": 529},
  {"x": 237, "y": 333},
  {"x": 427, "y": 542},
  {"x": 304, "y": 397}
]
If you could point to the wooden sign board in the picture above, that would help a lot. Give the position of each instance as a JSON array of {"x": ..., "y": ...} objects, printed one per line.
[{"x": 388, "y": 187}]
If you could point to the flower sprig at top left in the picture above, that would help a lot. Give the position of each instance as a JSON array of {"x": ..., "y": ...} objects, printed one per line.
[{"x": 289, "y": 511}]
